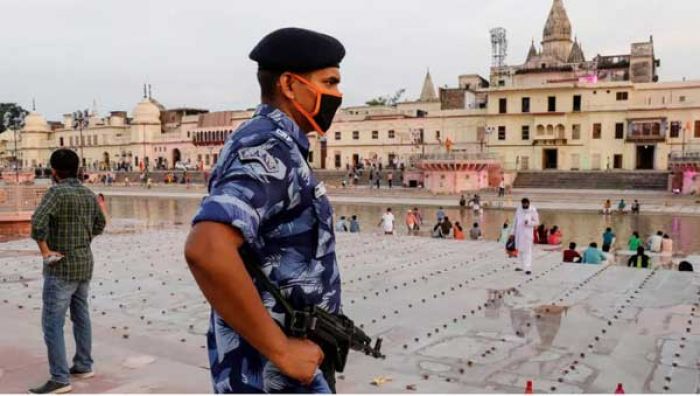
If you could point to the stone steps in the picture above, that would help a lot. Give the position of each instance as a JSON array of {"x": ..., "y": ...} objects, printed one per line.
[{"x": 593, "y": 180}]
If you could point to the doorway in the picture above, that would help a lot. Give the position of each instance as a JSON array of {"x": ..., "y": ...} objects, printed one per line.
[
  {"x": 177, "y": 157},
  {"x": 549, "y": 159},
  {"x": 645, "y": 157}
]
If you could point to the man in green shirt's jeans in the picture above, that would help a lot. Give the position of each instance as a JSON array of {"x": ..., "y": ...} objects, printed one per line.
[{"x": 63, "y": 226}]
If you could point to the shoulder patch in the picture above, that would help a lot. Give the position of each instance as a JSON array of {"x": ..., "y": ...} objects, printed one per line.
[{"x": 262, "y": 155}]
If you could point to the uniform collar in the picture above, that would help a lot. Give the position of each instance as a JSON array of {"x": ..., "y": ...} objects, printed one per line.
[{"x": 285, "y": 123}]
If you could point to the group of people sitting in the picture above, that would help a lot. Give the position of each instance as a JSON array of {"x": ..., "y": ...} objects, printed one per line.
[
  {"x": 445, "y": 228},
  {"x": 343, "y": 225},
  {"x": 545, "y": 236},
  {"x": 474, "y": 203},
  {"x": 621, "y": 207}
]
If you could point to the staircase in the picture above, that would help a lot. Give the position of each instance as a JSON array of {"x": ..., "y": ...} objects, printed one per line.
[{"x": 640, "y": 180}]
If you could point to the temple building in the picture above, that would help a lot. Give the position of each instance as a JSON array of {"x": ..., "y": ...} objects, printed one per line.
[{"x": 560, "y": 110}]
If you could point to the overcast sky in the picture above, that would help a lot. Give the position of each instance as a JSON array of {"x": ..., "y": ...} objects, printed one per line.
[{"x": 67, "y": 53}]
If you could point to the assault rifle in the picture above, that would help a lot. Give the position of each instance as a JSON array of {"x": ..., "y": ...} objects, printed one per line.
[{"x": 335, "y": 334}]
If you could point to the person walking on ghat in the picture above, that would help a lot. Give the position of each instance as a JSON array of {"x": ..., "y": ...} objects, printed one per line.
[
  {"x": 526, "y": 219},
  {"x": 64, "y": 225},
  {"x": 264, "y": 198}
]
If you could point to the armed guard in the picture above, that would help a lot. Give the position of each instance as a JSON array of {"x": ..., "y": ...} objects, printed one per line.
[{"x": 265, "y": 201}]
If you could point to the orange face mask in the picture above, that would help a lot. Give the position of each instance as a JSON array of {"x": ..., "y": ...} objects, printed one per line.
[{"x": 327, "y": 104}]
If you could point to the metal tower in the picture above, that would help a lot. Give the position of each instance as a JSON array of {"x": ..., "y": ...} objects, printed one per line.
[{"x": 499, "y": 47}]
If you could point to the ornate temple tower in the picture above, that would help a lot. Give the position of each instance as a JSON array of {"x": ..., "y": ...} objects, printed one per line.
[{"x": 556, "y": 38}]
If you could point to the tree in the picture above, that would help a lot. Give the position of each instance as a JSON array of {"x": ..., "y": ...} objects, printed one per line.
[
  {"x": 387, "y": 100},
  {"x": 14, "y": 109}
]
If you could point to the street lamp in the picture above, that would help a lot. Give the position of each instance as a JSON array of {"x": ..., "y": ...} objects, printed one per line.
[
  {"x": 14, "y": 119},
  {"x": 81, "y": 120}
]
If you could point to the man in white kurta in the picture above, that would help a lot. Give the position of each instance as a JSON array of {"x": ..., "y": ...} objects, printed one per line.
[{"x": 526, "y": 219}]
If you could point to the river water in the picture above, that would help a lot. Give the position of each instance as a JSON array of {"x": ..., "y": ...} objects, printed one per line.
[{"x": 581, "y": 228}]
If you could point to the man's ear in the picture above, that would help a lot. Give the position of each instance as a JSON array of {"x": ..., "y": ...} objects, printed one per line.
[{"x": 285, "y": 85}]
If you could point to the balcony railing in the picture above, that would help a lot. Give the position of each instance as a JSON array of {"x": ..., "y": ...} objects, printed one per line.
[
  {"x": 643, "y": 137},
  {"x": 693, "y": 156}
]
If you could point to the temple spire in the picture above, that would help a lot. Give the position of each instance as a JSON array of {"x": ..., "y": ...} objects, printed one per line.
[
  {"x": 532, "y": 53},
  {"x": 558, "y": 26},
  {"x": 556, "y": 37},
  {"x": 427, "y": 94}
]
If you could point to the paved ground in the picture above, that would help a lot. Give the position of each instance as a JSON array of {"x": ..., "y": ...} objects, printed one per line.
[
  {"x": 569, "y": 200},
  {"x": 454, "y": 316}
]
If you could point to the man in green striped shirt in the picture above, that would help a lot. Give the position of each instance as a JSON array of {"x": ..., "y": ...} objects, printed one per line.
[{"x": 63, "y": 226}]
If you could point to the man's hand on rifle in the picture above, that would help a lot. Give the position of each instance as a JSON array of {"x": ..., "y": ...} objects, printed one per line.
[{"x": 300, "y": 360}]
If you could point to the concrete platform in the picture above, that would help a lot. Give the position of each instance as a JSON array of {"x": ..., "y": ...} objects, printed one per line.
[{"x": 454, "y": 316}]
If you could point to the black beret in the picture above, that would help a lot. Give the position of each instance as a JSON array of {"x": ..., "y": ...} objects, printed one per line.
[{"x": 297, "y": 50}]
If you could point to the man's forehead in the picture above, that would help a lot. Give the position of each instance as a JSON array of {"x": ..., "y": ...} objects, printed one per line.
[{"x": 328, "y": 72}]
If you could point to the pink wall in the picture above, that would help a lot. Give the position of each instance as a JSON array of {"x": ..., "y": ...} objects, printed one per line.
[
  {"x": 691, "y": 182},
  {"x": 455, "y": 182}
]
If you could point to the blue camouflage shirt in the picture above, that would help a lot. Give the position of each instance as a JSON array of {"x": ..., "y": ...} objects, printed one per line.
[{"x": 263, "y": 186}]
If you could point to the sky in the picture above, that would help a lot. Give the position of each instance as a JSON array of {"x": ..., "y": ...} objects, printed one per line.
[{"x": 69, "y": 54}]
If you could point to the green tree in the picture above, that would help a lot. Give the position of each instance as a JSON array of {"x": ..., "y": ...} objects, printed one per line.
[
  {"x": 388, "y": 100},
  {"x": 14, "y": 109}
]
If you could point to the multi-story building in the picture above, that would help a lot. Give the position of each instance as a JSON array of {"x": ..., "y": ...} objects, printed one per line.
[
  {"x": 560, "y": 111},
  {"x": 557, "y": 110}
]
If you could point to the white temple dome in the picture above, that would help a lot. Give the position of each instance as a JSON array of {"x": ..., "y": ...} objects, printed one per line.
[
  {"x": 147, "y": 112},
  {"x": 35, "y": 122}
]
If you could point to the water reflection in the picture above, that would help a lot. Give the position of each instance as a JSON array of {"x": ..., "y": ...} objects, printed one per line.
[{"x": 582, "y": 228}]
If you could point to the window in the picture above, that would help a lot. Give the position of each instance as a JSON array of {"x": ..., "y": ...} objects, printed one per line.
[
  {"x": 697, "y": 129},
  {"x": 337, "y": 161},
  {"x": 575, "y": 162},
  {"x": 681, "y": 99},
  {"x": 526, "y": 105},
  {"x": 337, "y": 136},
  {"x": 619, "y": 130},
  {"x": 675, "y": 129},
  {"x": 89, "y": 141},
  {"x": 392, "y": 134},
  {"x": 552, "y": 104},
  {"x": 375, "y": 135},
  {"x": 501, "y": 133},
  {"x": 617, "y": 161},
  {"x": 71, "y": 141},
  {"x": 621, "y": 96},
  {"x": 597, "y": 130},
  {"x": 188, "y": 134},
  {"x": 311, "y": 156},
  {"x": 437, "y": 135},
  {"x": 207, "y": 159},
  {"x": 524, "y": 163},
  {"x": 525, "y": 133},
  {"x": 355, "y": 135},
  {"x": 502, "y": 106},
  {"x": 577, "y": 103},
  {"x": 60, "y": 141},
  {"x": 576, "y": 132}
]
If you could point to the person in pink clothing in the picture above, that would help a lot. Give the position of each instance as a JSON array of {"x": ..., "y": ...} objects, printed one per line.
[{"x": 554, "y": 237}]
